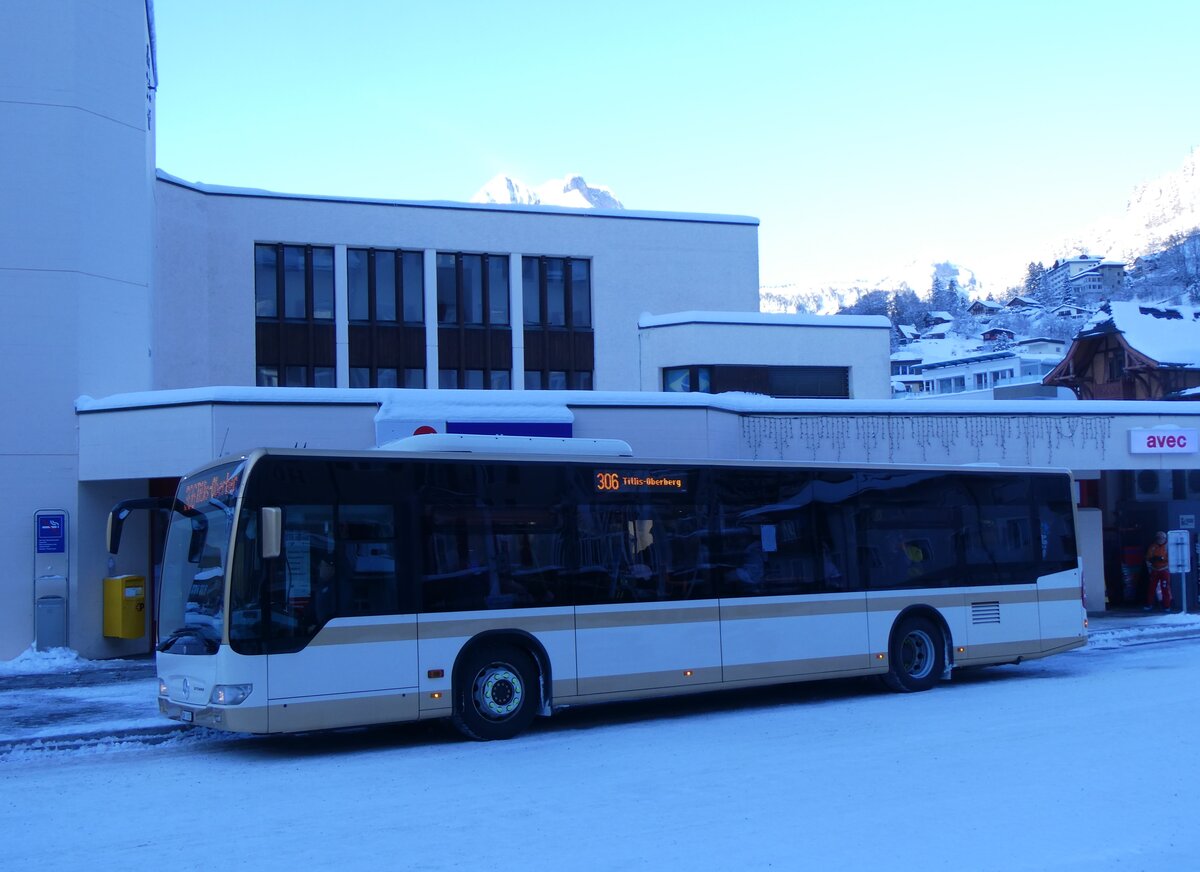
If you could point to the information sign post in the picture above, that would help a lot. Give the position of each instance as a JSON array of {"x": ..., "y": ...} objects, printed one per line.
[{"x": 1179, "y": 561}]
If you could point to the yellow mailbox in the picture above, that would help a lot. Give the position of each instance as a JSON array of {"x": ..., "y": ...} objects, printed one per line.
[{"x": 125, "y": 607}]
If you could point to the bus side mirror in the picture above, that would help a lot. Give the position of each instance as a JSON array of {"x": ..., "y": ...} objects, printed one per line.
[
  {"x": 112, "y": 535},
  {"x": 272, "y": 531},
  {"x": 196, "y": 542},
  {"x": 123, "y": 509}
]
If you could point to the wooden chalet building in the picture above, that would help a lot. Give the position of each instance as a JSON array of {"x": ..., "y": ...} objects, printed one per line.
[{"x": 1133, "y": 351}]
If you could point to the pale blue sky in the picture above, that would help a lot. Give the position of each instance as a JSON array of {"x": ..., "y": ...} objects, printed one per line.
[{"x": 862, "y": 134}]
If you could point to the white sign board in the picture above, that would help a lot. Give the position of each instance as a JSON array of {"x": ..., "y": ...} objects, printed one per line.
[
  {"x": 1179, "y": 555},
  {"x": 1164, "y": 440}
]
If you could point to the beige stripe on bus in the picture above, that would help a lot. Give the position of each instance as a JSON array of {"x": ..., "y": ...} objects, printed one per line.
[
  {"x": 800, "y": 668},
  {"x": 440, "y": 628},
  {"x": 880, "y": 602},
  {"x": 360, "y": 633},
  {"x": 646, "y": 617},
  {"x": 739, "y": 611},
  {"x": 665, "y": 680}
]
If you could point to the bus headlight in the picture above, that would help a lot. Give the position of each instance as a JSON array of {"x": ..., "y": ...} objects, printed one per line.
[
  {"x": 230, "y": 694},
  {"x": 162, "y": 687}
]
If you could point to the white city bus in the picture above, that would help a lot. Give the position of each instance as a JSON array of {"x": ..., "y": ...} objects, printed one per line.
[{"x": 306, "y": 590}]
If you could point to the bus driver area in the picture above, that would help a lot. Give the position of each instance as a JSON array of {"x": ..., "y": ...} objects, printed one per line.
[{"x": 307, "y": 590}]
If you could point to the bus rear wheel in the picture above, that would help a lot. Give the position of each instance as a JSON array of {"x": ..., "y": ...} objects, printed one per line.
[
  {"x": 917, "y": 655},
  {"x": 496, "y": 694}
]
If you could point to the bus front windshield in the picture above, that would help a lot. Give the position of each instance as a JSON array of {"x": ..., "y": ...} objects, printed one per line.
[{"x": 191, "y": 602}]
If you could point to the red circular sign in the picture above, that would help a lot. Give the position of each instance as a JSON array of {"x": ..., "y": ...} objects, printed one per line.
[{"x": 423, "y": 429}]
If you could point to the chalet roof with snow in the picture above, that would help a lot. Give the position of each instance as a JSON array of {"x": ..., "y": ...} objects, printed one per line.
[
  {"x": 1133, "y": 350},
  {"x": 984, "y": 307},
  {"x": 1165, "y": 335},
  {"x": 939, "y": 317},
  {"x": 1019, "y": 302}
]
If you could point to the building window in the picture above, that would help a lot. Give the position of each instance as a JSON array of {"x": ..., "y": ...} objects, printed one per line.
[
  {"x": 474, "y": 326},
  {"x": 774, "y": 381},
  {"x": 472, "y": 289},
  {"x": 1115, "y": 368},
  {"x": 293, "y": 305},
  {"x": 385, "y": 298},
  {"x": 557, "y": 312},
  {"x": 687, "y": 379}
]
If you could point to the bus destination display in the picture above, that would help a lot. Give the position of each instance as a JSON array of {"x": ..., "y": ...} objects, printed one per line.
[
  {"x": 213, "y": 487},
  {"x": 609, "y": 481}
]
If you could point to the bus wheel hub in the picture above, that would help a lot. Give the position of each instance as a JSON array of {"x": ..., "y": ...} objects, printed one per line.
[{"x": 500, "y": 692}]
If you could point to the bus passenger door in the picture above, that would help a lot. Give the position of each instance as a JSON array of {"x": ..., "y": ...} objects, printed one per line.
[
  {"x": 342, "y": 635},
  {"x": 624, "y": 647},
  {"x": 791, "y": 604},
  {"x": 647, "y": 615}
]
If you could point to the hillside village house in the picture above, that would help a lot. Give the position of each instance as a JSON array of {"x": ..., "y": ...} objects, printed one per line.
[
  {"x": 1133, "y": 351},
  {"x": 1083, "y": 277}
]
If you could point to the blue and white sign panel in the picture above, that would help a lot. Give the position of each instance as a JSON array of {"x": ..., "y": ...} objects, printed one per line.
[{"x": 51, "y": 533}]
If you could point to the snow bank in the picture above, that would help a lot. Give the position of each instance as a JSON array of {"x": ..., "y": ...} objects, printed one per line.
[{"x": 33, "y": 662}]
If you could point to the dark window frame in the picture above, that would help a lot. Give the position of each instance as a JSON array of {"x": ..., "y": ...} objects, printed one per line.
[
  {"x": 468, "y": 347},
  {"x": 282, "y": 342},
  {"x": 382, "y": 345},
  {"x": 557, "y": 352}
]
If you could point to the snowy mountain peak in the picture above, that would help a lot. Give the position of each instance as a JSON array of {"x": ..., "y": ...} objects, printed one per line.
[
  {"x": 1156, "y": 215},
  {"x": 572, "y": 191}
]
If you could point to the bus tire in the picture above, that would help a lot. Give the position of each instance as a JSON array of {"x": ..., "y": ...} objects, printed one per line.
[
  {"x": 496, "y": 694},
  {"x": 917, "y": 655}
]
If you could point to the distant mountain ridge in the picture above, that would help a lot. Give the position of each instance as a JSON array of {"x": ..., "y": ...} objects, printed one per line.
[
  {"x": 1157, "y": 215},
  {"x": 1157, "y": 236},
  {"x": 571, "y": 191}
]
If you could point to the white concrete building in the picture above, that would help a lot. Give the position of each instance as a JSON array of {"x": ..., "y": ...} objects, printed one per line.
[
  {"x": 1074, "y": 277},
  {"x": 154, "y": 324},
  {"x": 118, "y": 279},
  {"x": 771, "y": 354}
]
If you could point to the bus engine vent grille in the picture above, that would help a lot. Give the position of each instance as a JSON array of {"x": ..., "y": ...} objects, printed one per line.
[{"x": 985, "y": 613}]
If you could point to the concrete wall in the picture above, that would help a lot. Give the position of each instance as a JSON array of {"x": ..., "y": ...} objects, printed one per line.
[
  {"x": 804, "y": 341},
  {"x": 204, "y": 267},
  {"x": 75, "y": 258}
]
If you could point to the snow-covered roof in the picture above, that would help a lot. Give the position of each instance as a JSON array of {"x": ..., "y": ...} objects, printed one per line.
[
  {"x": 1023, "y": 301},
  {"x": 986, "y": 304},
  {"x": 1168, "y": 335},
  {"x": 941, "y": 315},
  {"x": 906, "y": 355},
  {"x": 965, "y": 361},
  {"x": 412, "y": 401},
  {"x": 693, "y": 217},
  {"x": 771, "y": 319}
]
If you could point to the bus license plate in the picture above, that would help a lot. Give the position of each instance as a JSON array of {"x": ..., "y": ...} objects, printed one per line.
[{"x": 186, "y": 716}]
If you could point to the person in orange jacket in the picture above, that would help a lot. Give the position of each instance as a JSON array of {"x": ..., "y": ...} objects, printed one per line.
[{"x": 1158, "y": 587}]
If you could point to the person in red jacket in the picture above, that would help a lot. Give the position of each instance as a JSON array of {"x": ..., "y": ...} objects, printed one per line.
[{"x": 1158, "y": 586}]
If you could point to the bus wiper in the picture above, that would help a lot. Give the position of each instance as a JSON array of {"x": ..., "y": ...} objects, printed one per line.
[{"x": 210, "y": 646}]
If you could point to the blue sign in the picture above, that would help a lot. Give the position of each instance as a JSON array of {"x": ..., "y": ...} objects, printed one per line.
[
  {"x": 51, "y": 534},
  {"x": 511, "y": 428}
]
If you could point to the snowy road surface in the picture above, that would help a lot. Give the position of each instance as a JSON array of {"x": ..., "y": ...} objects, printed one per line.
[{"x": 1085, "y": 761}]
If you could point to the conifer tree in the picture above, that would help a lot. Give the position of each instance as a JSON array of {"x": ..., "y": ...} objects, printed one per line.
[{"x": 1033, "y": 282}]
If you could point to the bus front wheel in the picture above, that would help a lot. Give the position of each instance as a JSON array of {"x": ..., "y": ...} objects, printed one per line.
[
  {"x": 917, "y": 655},
  {"x": 496, "y": 695}
]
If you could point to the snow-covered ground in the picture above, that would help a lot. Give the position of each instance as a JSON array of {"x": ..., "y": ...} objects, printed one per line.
[{"x": 1082, "y": 761}]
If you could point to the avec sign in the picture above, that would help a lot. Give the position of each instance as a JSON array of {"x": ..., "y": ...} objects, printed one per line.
[{"x": 1164, "y": 440}]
